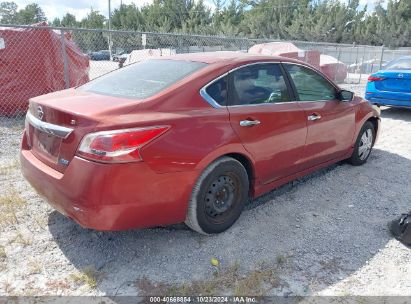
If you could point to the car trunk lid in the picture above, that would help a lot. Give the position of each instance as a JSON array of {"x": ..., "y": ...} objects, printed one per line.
[
  {"x": 394, "y": 81},
  {"x": 56, "y": 123}
]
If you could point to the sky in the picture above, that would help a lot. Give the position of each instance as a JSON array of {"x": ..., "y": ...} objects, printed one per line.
[{"x": 80, "y": 8}]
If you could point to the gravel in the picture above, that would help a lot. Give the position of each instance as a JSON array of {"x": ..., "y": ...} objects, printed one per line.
[{"x": 329, "y": 230}]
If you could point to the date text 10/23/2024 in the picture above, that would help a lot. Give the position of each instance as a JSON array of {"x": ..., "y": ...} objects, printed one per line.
[{"x": 203, "y": 299}]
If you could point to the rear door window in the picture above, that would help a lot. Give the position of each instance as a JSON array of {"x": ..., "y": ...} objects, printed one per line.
[
  {"x": 258, "y": 84},
  {"x": 143, "y": 79},
  {"x": 218, "y": 91}
]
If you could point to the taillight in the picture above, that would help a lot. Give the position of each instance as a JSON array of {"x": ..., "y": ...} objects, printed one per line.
[
  {"x": 375, "y": 78},
  {"x": 118, "y": 146}
]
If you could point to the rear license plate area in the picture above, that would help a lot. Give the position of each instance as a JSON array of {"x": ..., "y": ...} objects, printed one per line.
[{"x": 46, "y": 145}]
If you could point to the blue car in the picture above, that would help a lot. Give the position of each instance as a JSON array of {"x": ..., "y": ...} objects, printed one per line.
[
  {"x": 100, "y": 55},
  {"x": 392, "y": 85}
]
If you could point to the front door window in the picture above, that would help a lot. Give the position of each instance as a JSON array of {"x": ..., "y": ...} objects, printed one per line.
[{"x": 310, "y": 85}]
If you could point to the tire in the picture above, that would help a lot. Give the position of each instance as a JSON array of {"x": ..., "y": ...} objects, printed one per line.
[
  {"x": 366, "y": 138},
  {"x": 218, "y": 197}
]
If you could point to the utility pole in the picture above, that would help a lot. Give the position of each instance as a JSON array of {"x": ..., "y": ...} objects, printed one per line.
[
  {"x": 109, "y": 14},
  {"x": 109, "y": 28}
]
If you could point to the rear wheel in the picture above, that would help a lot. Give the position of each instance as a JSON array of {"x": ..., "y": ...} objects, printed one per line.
[
  {"x": 218, "y": 197},
  {"x": 363, "y": 145}
]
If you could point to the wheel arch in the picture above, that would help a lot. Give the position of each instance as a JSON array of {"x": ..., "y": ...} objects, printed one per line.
[
  {"x": 249, "y": 167},
  {"x": 238, "y": 153},
  {"x": 375, "y": 122}
]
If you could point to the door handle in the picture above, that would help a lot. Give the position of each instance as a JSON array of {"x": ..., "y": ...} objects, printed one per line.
[
  {"x": 249, "y": 123},
  {"x": 314, "y": 117}
]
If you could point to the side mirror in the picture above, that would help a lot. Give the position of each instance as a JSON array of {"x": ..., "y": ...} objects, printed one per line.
[{"x": 346, "y": 95}]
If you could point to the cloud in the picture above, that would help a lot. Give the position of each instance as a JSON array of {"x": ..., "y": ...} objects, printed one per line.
[
  {"x": 369, "y": 3},
  {"x": 79, "y": 8}
]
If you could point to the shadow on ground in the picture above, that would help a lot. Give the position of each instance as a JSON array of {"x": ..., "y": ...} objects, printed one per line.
[
  {"x": 396, "y": 113},
  {"x": 323, "y": 228}
]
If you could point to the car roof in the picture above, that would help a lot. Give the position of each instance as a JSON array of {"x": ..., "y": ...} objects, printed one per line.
[
  {"x": 404, "y": 57},
  {"x": 223, "y": 56}
]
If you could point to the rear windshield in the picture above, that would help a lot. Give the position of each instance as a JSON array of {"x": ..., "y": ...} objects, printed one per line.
[
  {"x": 399, "y": 64},
  {"x": 142, "y": 80}
]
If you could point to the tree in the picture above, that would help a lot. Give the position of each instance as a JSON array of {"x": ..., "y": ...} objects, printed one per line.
[
  {"x": 303, "y": 22},
  {"x": 127, "y": 17},
  {"x": 395, "y": 23},
  {"x": 390, "y": 26},
  {"x": 310, "y": 20},
  {"x": 198, "y": 19},
  {"x": 228, "y": 20},
  {"x": 93, "y": 20},
  {"x": 8, "y": 12},
  {"x": 31, "y": 14},
  {"x": 270, "y": 18},
  {"x": 56, "y": 22},
  {"x": 69, "y": 20},
  {"x": 91, "y": 41}
]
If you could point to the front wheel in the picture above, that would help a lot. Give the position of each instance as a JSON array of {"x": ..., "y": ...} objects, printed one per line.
[
  {"x": 218, "y": 197},
  {"x": 363, "y": 145}
]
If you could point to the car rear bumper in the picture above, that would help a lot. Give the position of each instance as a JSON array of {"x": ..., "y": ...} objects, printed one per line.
[
  {"x": 111, "y": 196},
  {"x": 389, "y": 102}
]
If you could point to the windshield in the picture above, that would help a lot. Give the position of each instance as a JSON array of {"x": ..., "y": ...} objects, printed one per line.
[
  {"x": 143, "y": 79},
  {"x": 399, "y": 64}
]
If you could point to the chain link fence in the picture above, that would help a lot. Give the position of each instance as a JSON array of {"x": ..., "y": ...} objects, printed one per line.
[{"x": 35, "y": 60}]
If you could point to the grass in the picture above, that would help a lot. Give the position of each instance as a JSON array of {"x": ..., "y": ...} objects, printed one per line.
[
  {"x": 281, "y": 259},
  {"x": 257, "y": 283},
  {"x": 10, "y": 202},
  {"x": 10, "y": 167},
  {"x": 7, "y": 287},
  {"x": 20, "y": 239},
  {"x": 227, "y": 280},
  {"x": 34, "y": 267},
  {"x": 3, "y": 254},
  {"x": 88, "y": 276},
  {"x": 41, "y": 221}
]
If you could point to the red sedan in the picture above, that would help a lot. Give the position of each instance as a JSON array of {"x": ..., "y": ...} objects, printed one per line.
[{"x": 188, "y": 138}]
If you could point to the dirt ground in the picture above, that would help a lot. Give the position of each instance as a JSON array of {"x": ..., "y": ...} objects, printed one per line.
[{"x": 324, "y": 234}]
